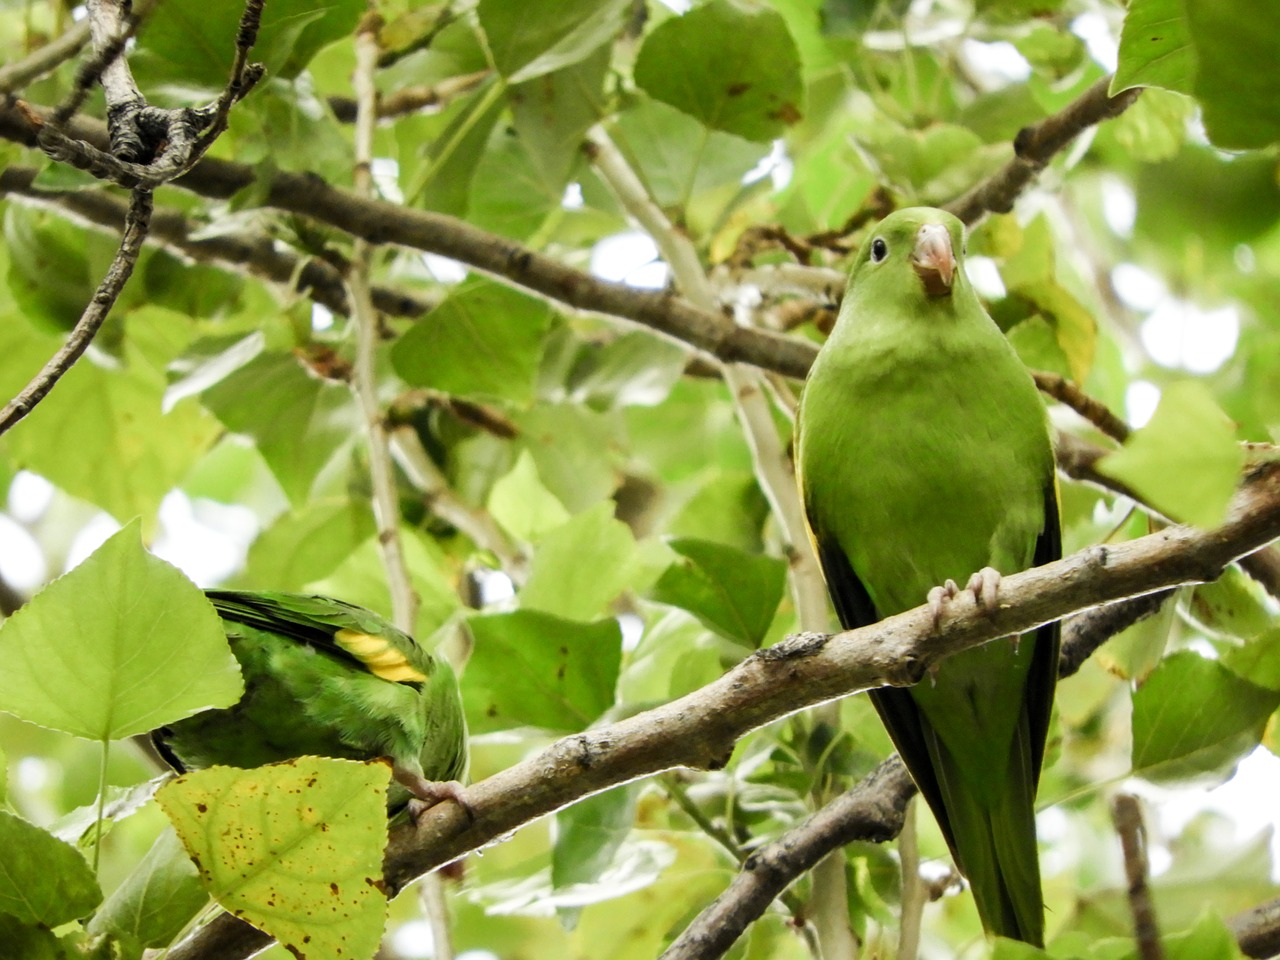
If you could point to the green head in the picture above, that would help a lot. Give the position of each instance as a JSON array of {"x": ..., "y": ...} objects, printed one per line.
[{"x": 911, "y": 259}]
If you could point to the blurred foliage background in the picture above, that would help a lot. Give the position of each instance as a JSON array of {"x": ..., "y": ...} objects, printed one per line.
[{"x": 577, "y": 495}]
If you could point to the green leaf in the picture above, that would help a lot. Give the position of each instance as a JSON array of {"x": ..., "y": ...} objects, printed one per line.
[
  {"x": 1194, "y": 716},
  {"x": 678, "y": 157},
  {"x": 581, "y": 567},
  {"x": 554, "y": 112},
  {"x": 637, "y": 368},
  {"x": 1209, "y": 939},
  {"x": 1235, "y": 44},
  {"x": 483, "y": 342},
  {"x": 572, "y": 447},
  {"x": 120, "y": 645},
  {"x": 533, "y": 669},
  {"x": 1257, "y": 661},
  {"x": 308, "y": 543},
  {"x": 157, "y": 899},
  {"x": 732, "y": 592},
  {"x": 563, "y": 33},
  {"x": 28, "y": 941},
  {"x": 294, "y": 848},
  {"x": 1185, "y": 462},
  {"x": 191, "y": 46},
  {"x": 299, "y": 422},
  {"x": 1155, "y": 48},
  {"x": 731, "y": 65},
  {"x": 676, "y": 655},
  {"x": 43, "y": 881},
  {"x": 522, "y": 504},
  {"x": 588, "y": 835}
]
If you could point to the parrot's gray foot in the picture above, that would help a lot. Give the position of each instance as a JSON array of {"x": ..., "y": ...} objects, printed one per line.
[
  {"x": 938, "y": 598},
  {"x": 985, "y": 587},
  {"x": 427, "y": 793}
]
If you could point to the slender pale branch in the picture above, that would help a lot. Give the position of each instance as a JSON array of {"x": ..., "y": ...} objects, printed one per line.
[
  {"x": 14, "y": 76},
  {"x": 1127, "y": 817}
]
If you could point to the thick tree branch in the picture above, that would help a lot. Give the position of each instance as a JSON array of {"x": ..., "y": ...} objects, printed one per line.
[
  {"x": 243, "y": 251},
  {"x": 700, "y": 730},
  {"x": 1036, "y": 145},
  {"x": 1257, "y": 931}
]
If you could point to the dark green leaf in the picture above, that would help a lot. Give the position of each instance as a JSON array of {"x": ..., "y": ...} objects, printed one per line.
[
  {"x": 1234, "y": 45},
  {"x": 44, "y": 881},
  {"x": 732, "y": 592},
  {"x": 1155, "y": 47},
  {"x": 483, "y": 342},
  {"x": 732, "y": 66},
  {"x": 581, "y": 567},
  {"x": 534, "y": 669},
  {"x": 158, "y": 898},
  {"x": 1194, "y": 717},
  {"x": 563, "y": 33}
]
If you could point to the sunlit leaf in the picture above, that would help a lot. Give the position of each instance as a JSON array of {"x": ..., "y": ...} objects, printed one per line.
[
  {"x": 294, "y": 848},
  {"x": 44, "y": 881}
]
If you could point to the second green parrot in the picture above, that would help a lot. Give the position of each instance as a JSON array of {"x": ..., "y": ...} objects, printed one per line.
[
  {"x": 326, "y": 678},
  {"x": 924, "y": 459}
]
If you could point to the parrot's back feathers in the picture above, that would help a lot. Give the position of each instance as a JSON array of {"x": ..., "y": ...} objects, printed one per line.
[{"x": 325, "y": 678}]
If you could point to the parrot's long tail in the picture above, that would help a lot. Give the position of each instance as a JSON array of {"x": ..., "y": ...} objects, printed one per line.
[{"x": 992, "y": 835}]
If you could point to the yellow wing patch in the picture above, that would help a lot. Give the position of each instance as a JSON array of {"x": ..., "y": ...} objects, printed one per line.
[{"x": 382, "y": 659}]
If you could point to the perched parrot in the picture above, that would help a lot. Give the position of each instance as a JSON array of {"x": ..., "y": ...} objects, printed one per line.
[
  {"x": 325, "y": 678},
  {"x": 924, "y": 458}
]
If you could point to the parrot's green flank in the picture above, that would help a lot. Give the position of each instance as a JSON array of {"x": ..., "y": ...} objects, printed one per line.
[
  {"x": 325, "y": 678},
  {"x": 924, "y": 457}
]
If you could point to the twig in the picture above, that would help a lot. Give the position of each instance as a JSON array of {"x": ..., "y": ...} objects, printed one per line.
[
  {"x": 1036, "y": 145},
  {"x": 412, "y": 99},
  {"x": 873, "y": 811},
  {"x": 700, "y": 729},
  {"x": 1257, "y": 931},
  {"x": 1093, "y": 410},
  {"x": 914, "y": 894},
  {"x": 1127, "y": 817},
  {"x": 386, "y": 504},
  {"x": 91, "y": 320}
]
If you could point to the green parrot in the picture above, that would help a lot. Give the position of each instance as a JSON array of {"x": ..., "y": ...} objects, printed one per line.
[
  {"x": 924, "y": 458},
  {"x": 326, "y": 678}
]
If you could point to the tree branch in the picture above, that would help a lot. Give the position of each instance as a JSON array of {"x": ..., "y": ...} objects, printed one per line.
[
  {"x": 1257, "y": 931},
  {"x": 91, "y": 320},
  {"x": 1036, "y": 145},
  {"x": 700, "y": 729},
  {"x": 1127, "y": 817},
  {"x": 46, "y": 59}
]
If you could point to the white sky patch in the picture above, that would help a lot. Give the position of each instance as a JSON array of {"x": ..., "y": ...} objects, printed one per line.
[
  {"x": 321, "y": 316},
  {"x": 1247, "y": 800},
  {"x": 33, "y": 774},
  {"x": 679, "y": 6},
  {"x": 997, "y": 63},
  {"x": 1179, "y": 334},
  {"x": 206, "y": 540},
  {"x": 777, "y": 166},
  {"x": 22, "y": 563},
  {"x": 631, "y": 258},
  {"x": 495, "y": 587},
  {"x": 91, "y": 536},
  {"x": 632, "y": 630},
  {"x": 1099, "y": 39},
  {"x": 443, "y": 269},
  {"x": 1138, "y": 288},
  {"x": 1119, "y": 207},
  {"x": 413, "y": 940},
  {"x": 386, "y": 177},
  {"x": 1246, "y": 262},
  {"x": 1140, "y": 402},
  {"x": 985, "y": 277},
  {"x": 29, "y": 496},
  {"x": 572, "y": 199}
]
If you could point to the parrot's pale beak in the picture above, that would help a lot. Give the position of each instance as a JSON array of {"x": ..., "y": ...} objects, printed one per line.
[{"x": 933, "y": 259}]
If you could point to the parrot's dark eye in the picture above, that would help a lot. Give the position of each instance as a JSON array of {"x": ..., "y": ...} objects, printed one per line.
[{"x": 879, "y": 249}]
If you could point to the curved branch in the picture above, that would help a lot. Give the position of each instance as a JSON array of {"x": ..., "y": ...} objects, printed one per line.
[{"x": 700, "y": 729}]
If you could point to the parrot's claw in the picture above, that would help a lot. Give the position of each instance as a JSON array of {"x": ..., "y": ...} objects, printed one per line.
[
  {"x": 427, "y": 793},
  {"x": 937, "y": 600},
  {"x": 985, "y": 587}
]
